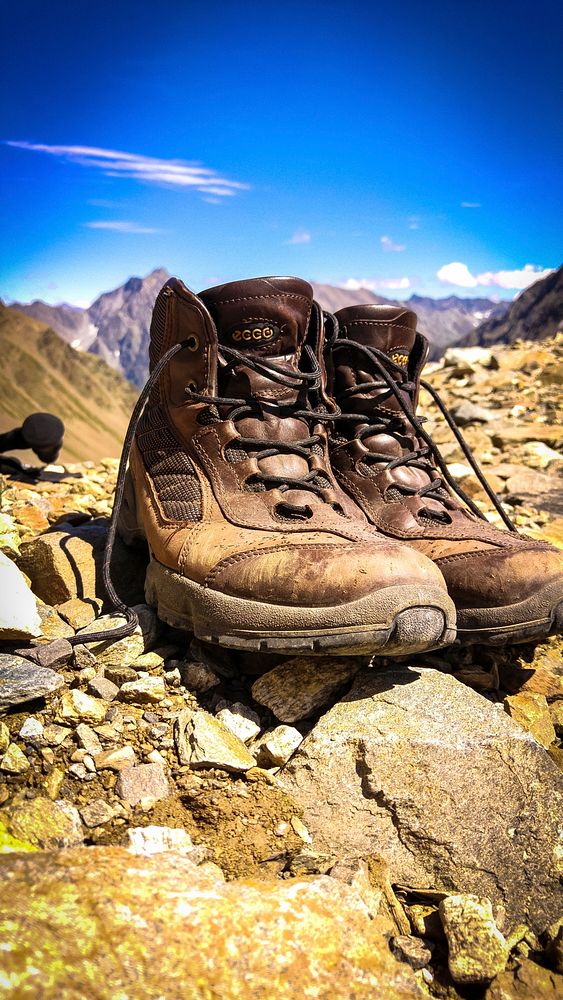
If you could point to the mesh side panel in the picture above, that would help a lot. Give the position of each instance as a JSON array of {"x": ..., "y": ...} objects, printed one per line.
[
  {"x": 235, "y": 455},
  {"x": 255, "y": 486},
  {"x": 323, "y": 482},
  {"x": 208, "y": 416},
  {"x": 171, "y": 470},
  {"x": 317, "y": 449}
]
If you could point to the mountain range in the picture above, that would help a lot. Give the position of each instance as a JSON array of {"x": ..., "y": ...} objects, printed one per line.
[{"x": 116, "y": 326}]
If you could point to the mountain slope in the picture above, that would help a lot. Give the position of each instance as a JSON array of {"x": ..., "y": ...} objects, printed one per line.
[
  {"x": 70, "y": 322},
  {"x": 537, "y": 313},
  {"x": 122, "y": 318},
  {"x": 41, "y": 373}
]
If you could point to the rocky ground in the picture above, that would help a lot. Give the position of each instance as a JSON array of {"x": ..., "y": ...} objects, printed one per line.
[{"x": 239, "y": 825}]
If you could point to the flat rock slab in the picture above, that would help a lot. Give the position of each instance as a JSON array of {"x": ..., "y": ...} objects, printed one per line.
[
  {"x": 299, "y": 687},
  {"x": 454, "y": 794},
  {"x": 21, "y": 680},
  {"x": 118, "y": 924}
]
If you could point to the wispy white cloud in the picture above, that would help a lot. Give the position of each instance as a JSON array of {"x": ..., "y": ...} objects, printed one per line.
[
  {"x": 300, "y": 236},
  {"x": 470, "y": 204},
  {"x": 413, "y": 222},
  {"x": 150, "y": 169},
  {"x": 373, "y": 284},
  {"x": 459, "y": 274},
  {"x": 118, "y": 226},
  {"x": 388, "y": 244}
]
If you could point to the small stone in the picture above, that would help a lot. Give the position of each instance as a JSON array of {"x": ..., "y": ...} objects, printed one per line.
[
  {"x": 56, "y": 653},
  {"x": 5, "y": 738},
  {"x": 54, "y": 736},
  {"x": 96, "y": 813},
  {"x": 115, "y": 760},
  {"x": 82, "y": 657},
  {"x": 31, "y": 730},
  {"x": 14, "y": 760},
  {"x": 411, "y": 949},
  {"x": 78, "y": 771},
  {"x": 155, "y": 757},
  {"x": 87, "y": 674},
  {"x": 241, "y": 720},
  {"x": 21, "y": 681},
  {"x": 52, "y": 625},
  {"x": 477, "y": 951},
  {"x": 142, "y": 782},
  {"x": 531, "y": 711},
  {"x": 46, "y": 824},
  {"x": 78, "y": 613},
  {"x": 53, "y": 782},
  {"x": 76, "y": 706},
  {"x": 101, "y": 687},
  {"x": 18, "y": 611},
  {"x": 88, "y": 739},
  {"x": 120, "y": 675},
  {"x": 89, "y": 764},
  {"x": 297, "y": 688},
  {"x": 282, "y": 829},
  {"x": 173, "y": 678},
  {"x": 196, "y": 676},
  {"x": 203, "y": 741},
  {"x": 145, "y": 690},
  {"x": 156, "y": 839},
  {"x": 469, "y": 413},
  {"x": 301, "y": 830},
  {"x": 275, "y": 747}
]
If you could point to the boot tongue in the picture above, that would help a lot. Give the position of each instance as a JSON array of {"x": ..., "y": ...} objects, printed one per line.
[
  {"x": 266, "y": 319},
  {"x": 391, "y": 329},
  {"x": 263, "y": 316}
]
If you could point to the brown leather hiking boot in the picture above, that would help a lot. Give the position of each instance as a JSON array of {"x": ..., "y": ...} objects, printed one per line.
[
  {"x": 253, "y": 544},
  {"x": 506, "y": 587}
]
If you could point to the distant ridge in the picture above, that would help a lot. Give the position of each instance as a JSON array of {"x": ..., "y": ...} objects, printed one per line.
[{"x": 536, "y": 314}]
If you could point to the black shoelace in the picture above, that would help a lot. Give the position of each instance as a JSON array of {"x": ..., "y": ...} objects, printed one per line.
[
  {"x": 304, "y": 381},
  {"x": 301, "y": 381},
  {"x": 393, "y": 424}
]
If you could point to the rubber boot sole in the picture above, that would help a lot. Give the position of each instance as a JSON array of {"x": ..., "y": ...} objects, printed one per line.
[
  {"x": 391, "y": 621},
  {"x": 527, "y": 621}
]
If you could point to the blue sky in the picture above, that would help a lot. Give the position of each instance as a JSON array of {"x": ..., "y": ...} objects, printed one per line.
[{"x": 413, "y": 147}]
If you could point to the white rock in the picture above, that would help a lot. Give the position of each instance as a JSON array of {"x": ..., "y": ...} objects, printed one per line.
[
  {"x": 276, "y": 746},
  {"x": 241, "y": 720},
  {"x": 155, "y": 839},
  {"x": 32, "y": 730},
  {"x": 88, "y": 739},
  {"x": 18, "y": 611},
  {"x": 115, "y": 760}
]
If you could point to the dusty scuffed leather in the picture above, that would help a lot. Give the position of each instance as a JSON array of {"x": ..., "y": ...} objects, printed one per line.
[
  {"x": 482, "y": 565},
  {"x": 241, "y": 545}
]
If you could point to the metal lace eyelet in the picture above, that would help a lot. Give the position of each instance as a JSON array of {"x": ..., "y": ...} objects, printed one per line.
[
  {"x": 191, "y": 387},
  {"x": 192, "y": 342}
]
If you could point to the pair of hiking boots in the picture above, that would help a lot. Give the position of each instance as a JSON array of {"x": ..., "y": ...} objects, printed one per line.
[{"x": 290, "y": 496}]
